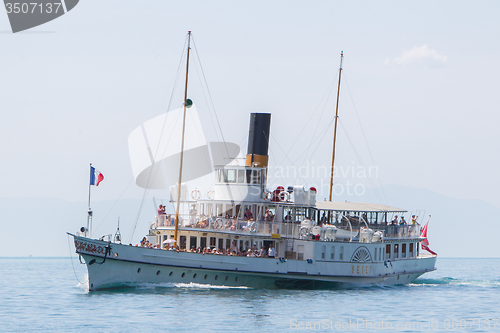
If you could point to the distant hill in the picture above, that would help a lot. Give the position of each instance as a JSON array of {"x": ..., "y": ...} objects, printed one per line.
[
  {"x": 457, "y": 228},
  {"x": 38, "y": 226}
]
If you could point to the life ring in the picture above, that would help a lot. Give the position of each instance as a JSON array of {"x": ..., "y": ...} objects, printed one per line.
[
  {"x": 211, "y": 194},
  {"x": 304, "y": 232},
  {"x": 195, "y": 195},
  {"x": 219, "y": 223},
  {"x": 284, "y": 196}
]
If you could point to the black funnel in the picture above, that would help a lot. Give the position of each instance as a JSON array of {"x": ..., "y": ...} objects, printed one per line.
[{"x": 258, "y": 139}]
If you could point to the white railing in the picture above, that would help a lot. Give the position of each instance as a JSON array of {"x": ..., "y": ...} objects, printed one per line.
[{"x": 285, "y": 229}]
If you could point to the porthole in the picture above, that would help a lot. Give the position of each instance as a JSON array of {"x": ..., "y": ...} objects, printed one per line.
[
  {"x": 205, "y": 276},
  {"x": 183, "y": 274},
  {"x": 158, "y": 273},
  {"x": 216, "y": 278},
  {"x": 236, "y": 279},
  {"x": 139, "y": 270},
  {"x": 227, "y": 277},
  {"x": 116, "y": 255},
  {"x": 170, "y": 273},
  {"x": 194, "y": 276}
]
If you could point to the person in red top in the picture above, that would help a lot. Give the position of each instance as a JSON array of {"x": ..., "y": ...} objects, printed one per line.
[{"x": 248, "y": 214}]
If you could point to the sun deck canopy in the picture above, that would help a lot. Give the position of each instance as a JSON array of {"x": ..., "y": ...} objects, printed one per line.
[{"x": 356, "y": 207}]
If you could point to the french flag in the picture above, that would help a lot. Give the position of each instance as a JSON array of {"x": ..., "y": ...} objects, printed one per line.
[{"x": 95, "y": 176}]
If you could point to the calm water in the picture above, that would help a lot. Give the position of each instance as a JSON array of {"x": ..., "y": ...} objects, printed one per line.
[{"x": 43, "y": 294}]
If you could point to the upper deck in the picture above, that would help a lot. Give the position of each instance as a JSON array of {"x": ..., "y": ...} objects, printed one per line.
[{"x": 326, "y": 221}]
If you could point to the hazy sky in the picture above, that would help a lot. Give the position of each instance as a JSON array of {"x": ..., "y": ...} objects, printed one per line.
[{"x": 420, "y": 76}]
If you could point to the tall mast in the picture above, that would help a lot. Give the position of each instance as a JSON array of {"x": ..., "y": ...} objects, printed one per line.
[
  {"x": 335, "y": 126},
  {"x": 182, "y": 142}
]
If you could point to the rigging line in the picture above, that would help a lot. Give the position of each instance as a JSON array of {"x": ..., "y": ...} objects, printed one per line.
[
  {"x": 178, "y": 73},
  {"x": 271, "y": 156},
  {"x": 206, "y": 99},
  {"x": 114, "y": 204},
  {"x": 322, "y": 112},
  {"x": 174, "y": 84},
  {"x": 274, "y": 178},
  {"x": 138, "y": 214},
  {"x": 245, "y": 137},
  {"x": 210, "y": 95},
  {"x": 74, "y": 271},
  {"x": 320, "y": 139},
  {"x": 286, "y": 156},
  {"x": 326, "y": 94},
  {"x": 200, "y": 134},
  {"x": 158, "y": 146},
  {"x": 360, "y": 160},
  {"x": 364, "y": 136},
  {"x": 170, "y": 102},
  {"x": 175, "y": 121}
]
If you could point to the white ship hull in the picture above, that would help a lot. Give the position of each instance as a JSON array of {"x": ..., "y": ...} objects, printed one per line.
[{"x": 128, "y": 266}]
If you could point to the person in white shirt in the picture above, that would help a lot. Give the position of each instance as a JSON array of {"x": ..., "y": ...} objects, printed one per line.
[
  {"x": 271, "y": 251},
  {"x": 234, "y": 248}
]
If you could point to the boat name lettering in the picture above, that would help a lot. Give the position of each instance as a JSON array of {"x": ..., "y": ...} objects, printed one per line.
[
  {"x": 361, "y": 269},
  {"x": 87, "y": 247}
]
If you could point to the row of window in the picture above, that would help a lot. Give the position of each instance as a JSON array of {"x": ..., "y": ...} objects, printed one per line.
[
  {"x": 258, "y": 211},
  {"x": 240, "y": 176},
  {"x": 219, "y": 243},
  {"x": 407, "y": 250},
  {"x": 332, "y": 253},
  {"x": 391, "y": 252},
  {"x": 194, "y": 275}
]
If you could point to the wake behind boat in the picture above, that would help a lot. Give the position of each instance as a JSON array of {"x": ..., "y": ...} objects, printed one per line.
[{"x": 239, "y": 233}]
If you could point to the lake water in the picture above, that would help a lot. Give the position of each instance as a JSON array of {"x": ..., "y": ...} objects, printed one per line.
[{"x": 43, "y": 294}]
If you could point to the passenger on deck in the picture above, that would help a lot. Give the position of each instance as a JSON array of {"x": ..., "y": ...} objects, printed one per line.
[
  {"x": 272, "y": 251},
  {"x": 395, "y": 220},
  {"x": 403, "y": 221},
  {"x": 161, "y": 210},
  {"x": 414, "y": 220},
  {"x": 365, "y": 218},
  {"x": 248, "y": 214},
  {"x": 233, "y": 247},
  {"x": 262, "y": 253},
  {"x": 322, "y": 220},
  {"x": 288, "y": 217}
]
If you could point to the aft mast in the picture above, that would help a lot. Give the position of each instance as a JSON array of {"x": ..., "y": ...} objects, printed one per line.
[
  {"x": 182, "y": 143},
  {"x": 335, "y": 126}
]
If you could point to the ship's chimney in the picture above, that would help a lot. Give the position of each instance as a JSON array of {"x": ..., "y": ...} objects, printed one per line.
[{"x": 258, "y": 139}]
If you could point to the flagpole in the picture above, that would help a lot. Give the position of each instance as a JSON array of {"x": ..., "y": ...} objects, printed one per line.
[{"x": 89, "y": 213}]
